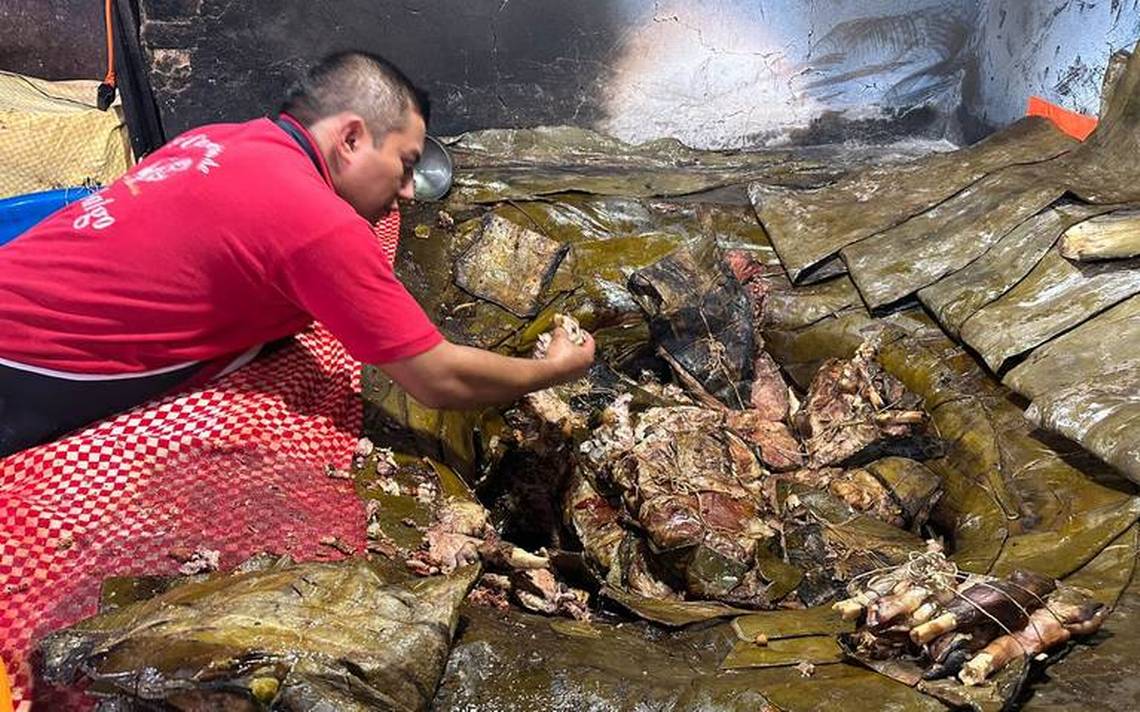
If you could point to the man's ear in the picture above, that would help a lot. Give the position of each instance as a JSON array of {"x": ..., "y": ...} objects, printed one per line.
[{"x": 351, "y": 136}]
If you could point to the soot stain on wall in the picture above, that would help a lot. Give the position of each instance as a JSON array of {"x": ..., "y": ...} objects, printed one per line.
[
  {"x": 726, "y": 73},
  {"x": 484, "y": 62}
]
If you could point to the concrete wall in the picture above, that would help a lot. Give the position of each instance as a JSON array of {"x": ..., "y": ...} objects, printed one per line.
[
  {"x": 744, "y": 72},
  {"x": 485, "y": 62},
  {"x": 53, "y": 39},
  {"x": 714, "y": 74},
  {"x": 1056, "y": 49},
  {"x": 718, "y": 73}
]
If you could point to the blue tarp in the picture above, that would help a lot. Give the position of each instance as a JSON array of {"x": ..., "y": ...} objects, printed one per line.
[{"x": 21, "y": 212}]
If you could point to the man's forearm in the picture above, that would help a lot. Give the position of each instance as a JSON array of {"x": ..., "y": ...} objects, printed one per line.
[
  {"x": 479, "y": 377},
  {"x": 457, "y": 377}
]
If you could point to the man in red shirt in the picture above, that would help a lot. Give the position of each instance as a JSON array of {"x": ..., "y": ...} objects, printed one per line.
[{"x": 230, "y": 237}]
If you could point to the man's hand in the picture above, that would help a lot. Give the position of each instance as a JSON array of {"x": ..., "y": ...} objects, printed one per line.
[
  {"x": 454, "y": 376},
  {"x": 570, "y": 358}
]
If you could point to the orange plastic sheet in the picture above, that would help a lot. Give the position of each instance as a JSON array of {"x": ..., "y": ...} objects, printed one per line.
[
  {"x": 5, "y": 690},
  {"x": 1079, "y": 126}
]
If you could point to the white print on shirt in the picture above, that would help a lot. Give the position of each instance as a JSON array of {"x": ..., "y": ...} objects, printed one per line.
[
  {"x": 163, "y": 169},
  {"x": 201, "y": 142},
  {"x": 95, "y": 213}
]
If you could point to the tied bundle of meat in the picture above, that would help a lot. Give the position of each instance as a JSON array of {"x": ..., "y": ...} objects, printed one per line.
[
  {"x": 965, "y": 625},
  {"x": 976, "y": 615},
  {"x": 1067, "y": 612},
  {"x": 856, "y": 411},
  {"x": 910, "y": 590}
]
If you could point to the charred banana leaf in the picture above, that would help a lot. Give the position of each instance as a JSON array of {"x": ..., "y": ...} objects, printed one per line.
[
  {"x": 1056, "y": 296},
  {"x": 957, "y": 296},
  {"x": 314, "y": 635},
  {"x": 701, "y": 318},
  {"x": 808, "y": 226}
]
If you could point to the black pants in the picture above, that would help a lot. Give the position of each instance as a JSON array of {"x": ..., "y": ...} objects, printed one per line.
[{"x": 35, "y": 408}]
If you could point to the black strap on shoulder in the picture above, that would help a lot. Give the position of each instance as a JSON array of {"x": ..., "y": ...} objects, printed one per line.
[{"x": 302, "y": 141}]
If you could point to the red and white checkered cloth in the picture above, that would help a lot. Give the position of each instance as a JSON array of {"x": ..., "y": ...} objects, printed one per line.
[
  {"x": 238, "y": 466},
  {"x": 388, "y": 233}
]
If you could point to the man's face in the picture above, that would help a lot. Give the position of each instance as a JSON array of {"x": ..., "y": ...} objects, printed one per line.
[{"x": 379, "y": 172}]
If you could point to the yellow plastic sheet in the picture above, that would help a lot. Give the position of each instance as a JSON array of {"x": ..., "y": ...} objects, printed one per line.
[{"x": 53, "y": 136}]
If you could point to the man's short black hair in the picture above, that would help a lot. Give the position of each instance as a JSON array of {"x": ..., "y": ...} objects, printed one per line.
[{"x": 360, "y": 82}]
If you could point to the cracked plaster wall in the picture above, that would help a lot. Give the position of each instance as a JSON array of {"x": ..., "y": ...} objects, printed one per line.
[
  {"x": 728, "y": 73},
  {"x": 720, "y": 73}
]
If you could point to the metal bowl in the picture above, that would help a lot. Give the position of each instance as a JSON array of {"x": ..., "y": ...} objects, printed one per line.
[{"x": 431, "y": 175}]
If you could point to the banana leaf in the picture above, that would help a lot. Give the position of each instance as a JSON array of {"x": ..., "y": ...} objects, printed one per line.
[
  {"x": 1109, "y": 574},
  {"x": 800, "y": 351},
  {"x": 523, "y": 164},
  {"x": 957, "y": 296},
  {"x": 793, "y": 307},
  {"x": 895, "y": 263},
  {"x": 790, "y": 624},
  {"x": 336, "y": 636},
  {"x": 670, "y": 613},
  {"x": 394, "y": 419},
  {"x": 735, "y": 226},
  {"x": 1108, "y": 237},
  {"x": 701, "y": 318},
  {"x": 1103, "y": 414},
  {"x": 1056, "y": 296},
  {"x": 1056, "y": 517},
  {"x": 1102, "y": 169},
  {"x": 1114, "y": 70},
  {"x": 508, "y": 265},
  {"x": 912, "y": 485},
  {"x": 808, "y": 226},
  {"x": 1100, "y": 670},
  {"x": 576, "y": 218},
  {"x": 426, "y": 266},
  {"x": 1105, "y": 343},
  {"x": 515, "y": 662},
  {"x": 1010, "y": 498},
  {"x": 828, "y": 687},
  {"x": 781, "y": 652},
  {"x": 995, "y": 696}
]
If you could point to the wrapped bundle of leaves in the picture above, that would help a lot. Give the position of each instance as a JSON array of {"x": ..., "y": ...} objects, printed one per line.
[
  {"x": 701, "y": 321},
  {"x": 695, "y": 490},
  {"x": 311, "y": 636}
]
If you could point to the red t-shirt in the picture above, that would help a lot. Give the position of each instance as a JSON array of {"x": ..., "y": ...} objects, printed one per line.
[{"x": 227, "y": 237}]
